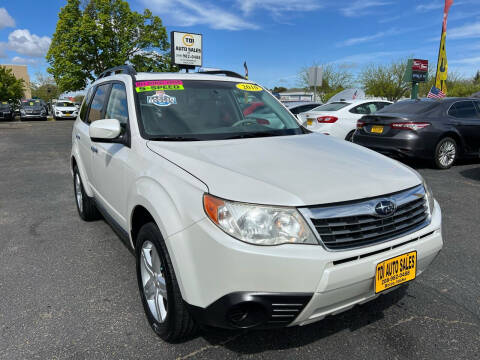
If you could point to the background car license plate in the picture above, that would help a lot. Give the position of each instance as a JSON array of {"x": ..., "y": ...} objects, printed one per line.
[
  {"x": 377, "y": 129},
  {"x": 309, "y": 121},
  {"x": 395, "y": 271}
]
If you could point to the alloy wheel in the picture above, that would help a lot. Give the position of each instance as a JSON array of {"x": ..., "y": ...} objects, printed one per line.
[
  {"x": 446, "y": 153},
  {"x": 78, "y": 192},
  {"x": 153, "y": 281}
]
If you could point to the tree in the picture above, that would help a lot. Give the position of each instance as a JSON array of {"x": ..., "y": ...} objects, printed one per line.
[
  {"x": 385, "y": 80},
  {"x": 45, "y": 88},
  {"x": 335, "y": 79},
  {"x": 279, "y": 89},
  {"x": 93, "y": 36},
  {"x": 476, "y": 79},
  {"x": 11, "y": 88},
  {"x": 457, "y": 85}
]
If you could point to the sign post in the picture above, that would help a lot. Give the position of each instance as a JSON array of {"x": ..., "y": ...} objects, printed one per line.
[
  {"x": 315, "y": 74},
  {"x": 417, "y": 71},
  {"x": 186, "y": 51}
]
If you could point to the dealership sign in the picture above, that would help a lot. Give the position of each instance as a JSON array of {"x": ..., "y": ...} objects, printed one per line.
[
  {"x": 417, "y": 71},
  {"x": 186, "y": 49}
]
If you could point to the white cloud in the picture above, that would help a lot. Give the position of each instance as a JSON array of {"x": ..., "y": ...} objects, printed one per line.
[
  {"x": 191, "y": 12},
  {"x": 5, "y": 19},
  {"x": 25, "y": 43},
  {"x": 472, "y": 60},
  {"x": 23, "y": 61},
  {"x": 362, "y": 39},
  {"x": 279, "y": 6},
  {"x": 429, "y": 6},
  {"x": 362, "y": 7},
  {"x": 464, "y": 32}
]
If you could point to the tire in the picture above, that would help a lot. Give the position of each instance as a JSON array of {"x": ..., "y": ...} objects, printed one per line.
[
  {"x": 85, "y": 205},
  {"x": 175, "y": 322},
  {"x": 349, "y": 136},
  {"x": 446, "y": 153}
]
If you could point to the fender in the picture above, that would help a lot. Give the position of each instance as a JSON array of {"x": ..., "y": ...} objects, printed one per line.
[
  {"x": 166, "y": 212},
  {"x": 163, "y": 202}
]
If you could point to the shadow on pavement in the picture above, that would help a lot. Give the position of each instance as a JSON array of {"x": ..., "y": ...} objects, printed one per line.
[
  {"x": 257, "y": 341},
  {"x": 472, "y": 174}
]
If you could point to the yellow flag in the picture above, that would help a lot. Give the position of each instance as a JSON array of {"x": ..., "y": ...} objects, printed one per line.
[{"x": 442, "y": 66}]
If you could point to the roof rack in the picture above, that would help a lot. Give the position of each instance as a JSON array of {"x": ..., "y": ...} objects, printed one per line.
[
  {"x": 122, "y": 69},
  {"x": 222, "y": 72}
]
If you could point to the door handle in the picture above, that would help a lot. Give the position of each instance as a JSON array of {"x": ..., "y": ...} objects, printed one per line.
[
  {"x": 77, "y": 136},
  {"x": 94, "y": 149}
]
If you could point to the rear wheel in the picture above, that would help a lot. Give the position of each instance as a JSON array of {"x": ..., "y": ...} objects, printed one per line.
[
  {"x": 446, "y": 153},
  {"x": 85, "y": 205},
  {"x": 159, "y": 290},
  {"x": 349, "y": 136}
]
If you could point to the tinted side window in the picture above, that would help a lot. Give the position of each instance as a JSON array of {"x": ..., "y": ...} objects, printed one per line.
[
  {"x": 98, "y": 103},
  {"x": 463, "y": 109},
  {"x": 367, "y": 108},
  {"x": 117, "y": 104},
  {"x": 381, "y": 105},
  {"x": 83, "y": 109}
]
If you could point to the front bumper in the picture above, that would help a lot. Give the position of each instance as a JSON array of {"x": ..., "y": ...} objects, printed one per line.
[
  {"x": 33, "y": 116},
  {"x": 211, "y": 266}
]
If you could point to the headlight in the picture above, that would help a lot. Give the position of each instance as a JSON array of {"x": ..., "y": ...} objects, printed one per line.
[
  {"x": 22, "y": 111},
  {"x": 429, "y": 196},
  {"x": 258, "y": 224}
]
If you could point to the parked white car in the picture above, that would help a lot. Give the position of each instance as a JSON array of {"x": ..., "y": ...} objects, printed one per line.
[
  {"x": 339, "y": 118},
  {"x": 227, "y": 211},
  {"x": 65, "y": 109}
]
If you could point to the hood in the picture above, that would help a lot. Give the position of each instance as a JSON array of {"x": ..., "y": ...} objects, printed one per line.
[{"x": 295, "y": 170}]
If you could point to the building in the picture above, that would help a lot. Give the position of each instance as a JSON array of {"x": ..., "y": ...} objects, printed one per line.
[
  {"x": 296, "y": 95},
  {"x": 21, "y": 72}
]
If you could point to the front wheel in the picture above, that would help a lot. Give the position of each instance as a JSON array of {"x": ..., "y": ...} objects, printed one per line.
[
  {"x": 446, "y": 153},
  {"x": 159, "y": 290}
]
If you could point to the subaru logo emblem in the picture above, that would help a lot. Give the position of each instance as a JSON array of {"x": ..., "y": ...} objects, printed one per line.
[{"x": 385, "y": 208}]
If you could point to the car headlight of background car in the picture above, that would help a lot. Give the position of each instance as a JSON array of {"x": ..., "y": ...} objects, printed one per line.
[
  {"x": 429, "y": 196},
  {"x": 258, "y": 224}
]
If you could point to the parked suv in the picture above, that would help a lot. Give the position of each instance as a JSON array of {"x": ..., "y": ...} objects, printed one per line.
[
  {"x": 6, "y": 111},
  {"x": 32, "y": 109},
  {"x": 65, "y": 109},
  {"x": 237, "y": 215}
]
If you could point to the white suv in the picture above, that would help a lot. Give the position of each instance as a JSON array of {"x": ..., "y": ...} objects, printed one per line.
[{"x": 238, "y": 216}]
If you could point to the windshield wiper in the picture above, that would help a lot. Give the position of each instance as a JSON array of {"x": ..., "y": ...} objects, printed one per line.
[
  {"x": 253, "y": 135},
  {"x": 173, "y": 138}
]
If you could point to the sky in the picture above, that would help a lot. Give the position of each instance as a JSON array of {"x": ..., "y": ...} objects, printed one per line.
[{"x": 277, "y": 38}]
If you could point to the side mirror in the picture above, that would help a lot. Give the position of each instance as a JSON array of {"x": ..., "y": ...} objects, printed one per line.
[{"x": 106, "y": 130}]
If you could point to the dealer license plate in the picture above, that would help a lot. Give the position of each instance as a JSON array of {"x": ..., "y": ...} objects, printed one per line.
[
  {"x": 67, "y": 113},
  {"x": 309, "y": 121},
  {"x": 395, "y": 271},
  {"x": 376, "y": 129}
]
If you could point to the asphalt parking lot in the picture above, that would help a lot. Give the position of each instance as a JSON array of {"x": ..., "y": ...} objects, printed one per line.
[{"x": 68, "y": 288}]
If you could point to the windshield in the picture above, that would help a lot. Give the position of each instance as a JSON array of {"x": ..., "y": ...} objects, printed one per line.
[
  {"x": 210, "y": 110},
  {"x": 4, "y": 105},
  {"x": 31, "y": 104},
  {"x": 64, "y": 104},
  {"x": 334, "y": 106},
  {"x": 408, "y": 107}
]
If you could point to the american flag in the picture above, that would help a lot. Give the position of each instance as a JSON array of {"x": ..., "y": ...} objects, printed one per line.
[{"x": 435, "y": 93}]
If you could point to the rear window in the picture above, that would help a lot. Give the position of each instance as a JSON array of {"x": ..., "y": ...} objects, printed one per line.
[
  {"x": 334, "y": 106},
  {"x": 409, "y": 107}
]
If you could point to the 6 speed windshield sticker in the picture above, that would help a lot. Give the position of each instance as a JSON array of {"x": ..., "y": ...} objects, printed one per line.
[
  {"x": 158, "y": 85},
  {"x": 161, "y": 99},
  {"x": 249, "y": 87}
]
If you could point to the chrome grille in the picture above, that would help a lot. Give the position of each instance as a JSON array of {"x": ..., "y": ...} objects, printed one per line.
[{"x": 356, "y": 224}]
